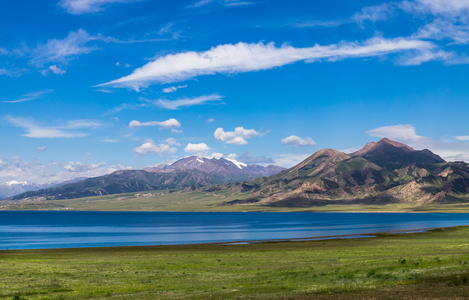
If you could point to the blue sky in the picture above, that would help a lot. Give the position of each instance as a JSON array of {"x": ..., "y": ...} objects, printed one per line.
[{"x": 92, "y": 86}]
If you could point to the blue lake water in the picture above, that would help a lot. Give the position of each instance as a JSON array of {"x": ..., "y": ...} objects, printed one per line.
[{"x": 70, "y": 229}]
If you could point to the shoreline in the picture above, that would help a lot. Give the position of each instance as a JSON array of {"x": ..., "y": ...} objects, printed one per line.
[{"x": 251, "y": 242}]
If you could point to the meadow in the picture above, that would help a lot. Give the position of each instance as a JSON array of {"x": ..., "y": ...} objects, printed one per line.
[
  {"x": 182, "y": 200},
  {"x": 431, "y": 264}
]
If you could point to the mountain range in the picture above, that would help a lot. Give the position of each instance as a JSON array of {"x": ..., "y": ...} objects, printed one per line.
[
  {"x": 380, "y": 173},
  {"x": 384, "y": 172},
  {"x": 192, "y": 171}
]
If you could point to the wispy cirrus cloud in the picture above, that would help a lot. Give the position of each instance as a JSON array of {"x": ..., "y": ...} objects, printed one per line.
[
  {"x": 13, "y": 72},
  {"x": 79, "y": 7},
  {"x": 225, "y": 3},
  {"x": 172, "y": 89},
  {"x": 397, "y": 132},
  {"x": 64, "y": 50},
  {"x": 170, "y": 104},
  {"x": 186, "y": 102},
  {"x": 68, "y": 130},
  {"x": 244, "y": 57},
  {"x": 447, "y": 24},
  {"x": 30, "y": 96}
]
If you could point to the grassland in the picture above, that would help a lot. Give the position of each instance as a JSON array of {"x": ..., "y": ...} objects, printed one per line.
[
  {"x": 401, "y": 266},
  {"x": 178, "y": 200}
]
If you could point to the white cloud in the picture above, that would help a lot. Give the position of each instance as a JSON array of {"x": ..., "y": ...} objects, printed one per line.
[
  {"x": 226, "y": 3},
  {"x": 375, "y": 13},
  {"x": 82, "y": 167},
  {"x": 197, "y": 148},
  {"x": 176, "y": 104},
  {"x": 34, "y": 130},
  {"x": 420, "y": 57},
  {"x": 79, "y": 7},
  {"x": 210, "y": 120},
  {"x": 30, "y": 96},
  {"x": 436, "y": 7},
  {"x": 41, "y": 149},
  {"x": 441, "y": 29},
  {"x": 462, "y": 138},
  {"x": 150, "y": 147},
  {"x": 13, "y": 168},
  {"x": 56, "y": 70},
  {"x": 243, "y": 57},
  {"x": 396, "y": 132},
  {"x": 237, "y": 137},
  {"x": 172, "y": 142},
  {"x": 448, "y": 150},
  {"x": 15, "y": 72},
  {"x": 172, "y": 89},
  {"x": 296, "y": 141},
  {"x": 64, "y": 50},
  {"x": 168, "y": 124},
  {"x": 111, "y": 141}
]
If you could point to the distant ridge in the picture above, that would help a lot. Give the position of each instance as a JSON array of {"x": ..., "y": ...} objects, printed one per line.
[{"x": 192, "y": 171}]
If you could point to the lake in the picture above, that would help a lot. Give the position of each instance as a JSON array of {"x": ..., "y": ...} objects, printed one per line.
[{"x": 70, "y": 229}]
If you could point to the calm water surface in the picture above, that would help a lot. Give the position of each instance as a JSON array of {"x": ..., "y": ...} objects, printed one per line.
[{"x": 66, "y": 229}]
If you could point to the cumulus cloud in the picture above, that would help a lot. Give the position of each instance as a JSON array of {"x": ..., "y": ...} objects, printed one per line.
[
  {"x": 56, "y": 70},
  {"x": 30, "y": 96},
  {"x": 79, "y": 7},
  {"x": 237, "y": 137},
  {"x": 168, "y": 124},
  {"x": 463, "y": 138},
  {"x": 34, "y": 130},
  {"x": 296, "y": 141},
  {"x": 244, "y": 57},
  {"x": 150, "y": 147},
  {"x": 176, "y": 104},
  {"x": 448, "y": 150},
  {"x": 172, "y": 142},
  {"x": 209, "y": 120},
  {"x": 172, "y": 89},
  {"x": 197, "y": 148}
]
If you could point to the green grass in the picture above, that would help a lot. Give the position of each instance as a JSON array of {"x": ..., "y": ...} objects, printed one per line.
[{"x": 401, "y": 266}]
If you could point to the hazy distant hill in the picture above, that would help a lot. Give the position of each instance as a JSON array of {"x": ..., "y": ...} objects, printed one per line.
[
  {"x": 187, "y": 172},
  {"x": 13, "y": 187},
  {"x": 380, "y": 173}
]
